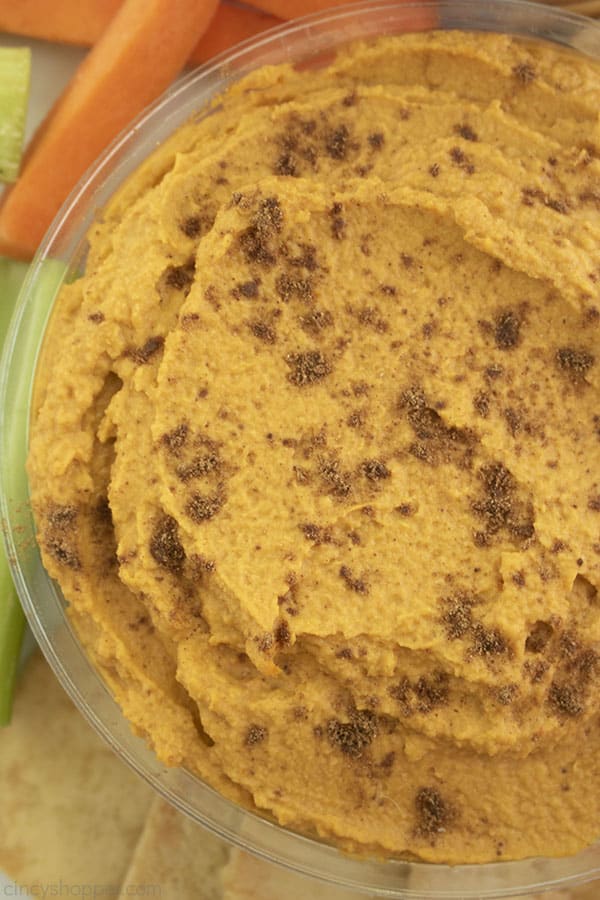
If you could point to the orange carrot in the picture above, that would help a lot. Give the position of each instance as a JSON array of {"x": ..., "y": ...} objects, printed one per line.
[
  {"x": 230, "y": 25},
  {"x": 81, "y": 22},
  {"x": 66, "y": 21},
  {"x": 144, "y": 47},
  {"x": 290, "y": 9}
]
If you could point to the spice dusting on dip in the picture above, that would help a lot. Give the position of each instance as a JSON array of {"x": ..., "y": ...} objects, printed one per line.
[{"x": 315, "y": 453}]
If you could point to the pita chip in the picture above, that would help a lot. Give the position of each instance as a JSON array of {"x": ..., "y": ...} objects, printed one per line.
[{"x": 72, "y": 811}]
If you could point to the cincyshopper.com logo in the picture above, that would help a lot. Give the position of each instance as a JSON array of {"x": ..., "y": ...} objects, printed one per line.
[{"x": 88, "y": 890}]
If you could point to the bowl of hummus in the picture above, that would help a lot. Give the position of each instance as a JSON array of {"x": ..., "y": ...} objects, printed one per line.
[{"x": 306, "y": 377}]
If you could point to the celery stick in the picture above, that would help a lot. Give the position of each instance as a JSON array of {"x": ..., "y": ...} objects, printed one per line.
[
  {"x": 15, "y": 73},
  {"x": 46, "y": 277},
  {"x": 12, "y": 621},
  {"x": 12, "y": 274},
  {"x": 12, "y": 627}
]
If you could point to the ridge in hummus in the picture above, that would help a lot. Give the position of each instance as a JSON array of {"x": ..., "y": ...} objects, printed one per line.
[{"x": 315, "y": 448}]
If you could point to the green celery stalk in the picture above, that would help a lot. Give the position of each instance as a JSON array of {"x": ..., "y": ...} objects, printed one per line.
[
  {"x": 12, "y": 628},
  {"x": 15, "y": 77},
  {"x": 46, "y": 280},
  {"x": 15, "y": 74},
  {"x": 12, "y": 620}
]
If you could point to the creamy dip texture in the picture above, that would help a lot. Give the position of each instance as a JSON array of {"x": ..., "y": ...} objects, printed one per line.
[{"x": 315, "y": 451}]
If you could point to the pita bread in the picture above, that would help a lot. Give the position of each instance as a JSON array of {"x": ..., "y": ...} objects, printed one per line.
[
  {"x": 72, "y": 812},
  {"x": 176, "y": 855}
]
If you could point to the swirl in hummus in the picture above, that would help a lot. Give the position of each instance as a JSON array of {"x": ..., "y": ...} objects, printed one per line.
[{"x": 316, "y": 443}]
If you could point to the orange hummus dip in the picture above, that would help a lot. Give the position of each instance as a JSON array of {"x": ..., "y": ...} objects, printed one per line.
[{"x": 315, "y": 450}]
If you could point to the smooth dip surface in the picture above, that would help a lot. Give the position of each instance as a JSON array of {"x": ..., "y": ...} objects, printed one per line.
[{"x": 315, "y": 449}]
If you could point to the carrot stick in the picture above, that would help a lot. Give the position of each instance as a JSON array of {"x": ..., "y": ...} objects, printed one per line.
[
  {"x": 137, "y": 57},
  {"x": 230, "y": 25},
  {"x": 66, "y": 21},
  {"x": 82, "y": 22}
]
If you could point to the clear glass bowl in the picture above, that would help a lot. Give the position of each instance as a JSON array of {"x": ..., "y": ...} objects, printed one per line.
[{"x": 60, "y": 257}]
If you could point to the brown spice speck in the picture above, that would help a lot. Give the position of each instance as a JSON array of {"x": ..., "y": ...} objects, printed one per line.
[
  {"x": 201, "y": 565},
  {"x": 189, "y": 321},
  {"x": 257, "y": 240},
  {"x": 574, "y": 362},
  {"x": 487, "y": 641},
  {"x": 531, "y": 194},
  {"x": 481, "y": 403},
  {"x": 499, "y": 507},
  {"x": 434, "y": 815},
  {"x": 282, "y": 633},
  {"x": 337, "y": 481},
  {"x": 289, "y": 286},
  {"x": 307, "y": 258},
  {"x": 376, "y": 140},
  {"x": 437, "y": 442},
  {"x": 200, "y": 466},
  {"x": 358, "y": 585},
  {"x": 63, "y": 551},
  {"x": 465, "y": 132},
  {"x": 338, "y": 223},
  {"x": 355, "y": 419},
  {"x": 506, "y": 330},
  {"x": 369, "y": 315},
  {"x": 315, "y": 321},
  {"x": 175, "y": 440},
  {"x": 307, "y": 368},
  {"x": 354, "y": 736},
  {"x": 431, "y": 691},
  {"x": 513, "y": 421},
  {"x": 248, "y": 289},
  {"x": 565, "y": 699},
  {"x": 427, "y": 693},
  {"x": 458, "y": 617},
  {"x": 524, "y": 72},
  {"x": 142, "y": 355},
  {"x": 255, "y": 735},
  {"x": 493, "y": 372},
  {"x": 263, "y": 331},
  {"x": 59, "y": 536},
  {"x": 62, "y": 517},
  {"x": 506, "y": 694},
  {"x": 265, "y": 642},
  {"x": 286, "y": 164},
  {"x": 460, "y": 159},
  {"x": 165, "y": 546},
  {"x": 374, "y": 469},
  {"x": 337, "y": 142},
  {"x": 318, "y": 534},
  {"x": 180, "y": 277},
  {"x": 202, "y": 507},
  {"x": 191, "y": 226}
]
